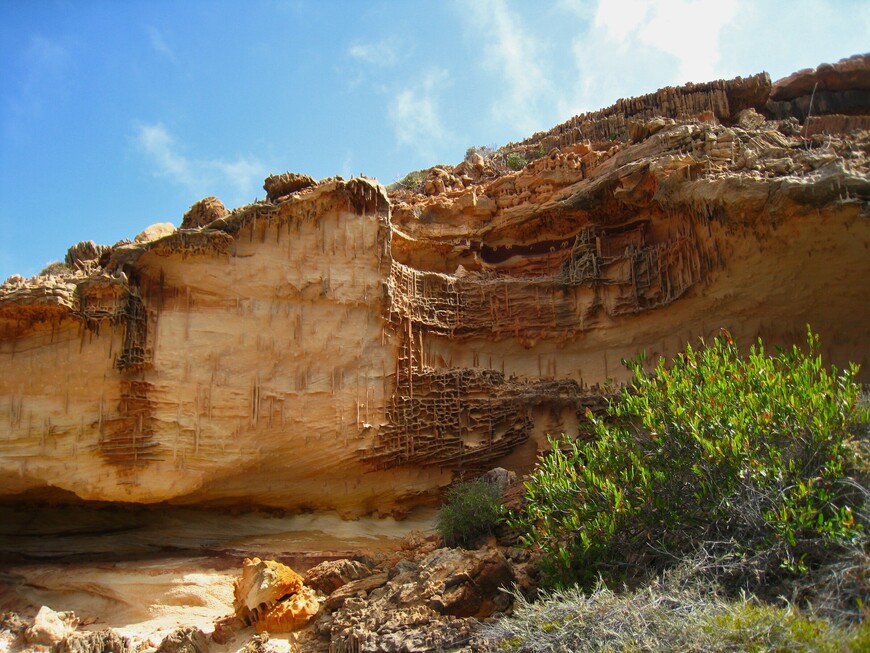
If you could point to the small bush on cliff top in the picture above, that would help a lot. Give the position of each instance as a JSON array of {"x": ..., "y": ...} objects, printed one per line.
[
  {"x": 55, "y": 268},
  {"x": 748, "y": 459},
  {"x": 473, "y": 509},
  {"x": 516, "y": 161}
]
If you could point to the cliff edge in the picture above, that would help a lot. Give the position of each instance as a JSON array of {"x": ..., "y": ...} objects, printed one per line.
[{"x": 339, "y": 347}]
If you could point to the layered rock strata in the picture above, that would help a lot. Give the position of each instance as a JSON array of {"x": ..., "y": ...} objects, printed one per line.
[{"x": 336, "y": 347}]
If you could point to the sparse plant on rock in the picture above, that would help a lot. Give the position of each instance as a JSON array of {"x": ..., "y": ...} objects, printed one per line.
[
  {"x": 413, "y": 181},
  {"x": 674, "y": 612},
  {"x": 473, "y": 509},
  {"x": 516, "y": 161},
  {"x": 55, "y": 268}
]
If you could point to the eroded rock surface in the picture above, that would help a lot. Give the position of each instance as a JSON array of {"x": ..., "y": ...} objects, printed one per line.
[
  {"x": 338, "y": 348},
  {"x": 272, "y": 597}
]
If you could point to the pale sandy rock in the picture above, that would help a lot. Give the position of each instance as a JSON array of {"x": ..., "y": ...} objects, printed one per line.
[
  {"x": 154, "y": 232},
  {"x": 328, "y": 576},
  {"x": 290, "y": 614},
  {"x": 345, "y": 350},
  {"x": 277, "y": 186},
  {"x": 263, "y": 583},
  {"x": 750, "y": 119},
  {"x": 258, "y": 644},
  {"x": 204, "y": 212},
  {"x": 465, "y": 583},
  {"x": 84, "y": 253},
  {"x": 417, "y": 606},
  {"x": 271, "y": 597},
  {"x": 356, "y": 588},
  {"x": 50, "y": 627}
]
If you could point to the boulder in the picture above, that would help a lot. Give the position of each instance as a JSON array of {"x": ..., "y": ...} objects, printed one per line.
[
  {"x": 204, "y": 212},
  {"x": 262, "y": 585},
  {"x": 465, "y": 583},
  {"x": 277, "y": 186},
  {"x": 501, "y": 478},
  {"x": 272, "y": 597},
  {"x": 50, "y": 627},
  {"x": 154, "y": 232},
  {"x": 86, "y": 252},
  {"x": 328, "y": 576},
  {"x": 291, "y": 614},
  {"x": 355, "y": 588}
]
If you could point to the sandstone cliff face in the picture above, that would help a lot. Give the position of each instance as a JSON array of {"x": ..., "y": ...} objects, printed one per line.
[{"x": 336, "y": 348}]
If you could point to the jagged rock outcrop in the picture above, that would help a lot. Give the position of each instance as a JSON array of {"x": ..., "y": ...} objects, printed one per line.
[
  {"x": 203, "y": 213},
  {"x": 184, "y": 640},
  {"x": 102, "y": 641},
  {"x": 272, "y": 597},
  {"x": 278, "y": 186},
  {"x": 85, "y": 254},
  {"x": 423, "y": 601},
  {"x": 336, "y": 348},
  {"x": 840, "y": 88}
]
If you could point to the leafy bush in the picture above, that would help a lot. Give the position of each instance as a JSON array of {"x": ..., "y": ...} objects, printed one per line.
[
  {"x": 413, "y": 181},
  {"x": 516, "y": 161},
  {"x": 746, "y": 459},
  {"x": 671, "y": 613},
  {"x": 473, "y": 509},
  {"x": 55, "y": 268}
]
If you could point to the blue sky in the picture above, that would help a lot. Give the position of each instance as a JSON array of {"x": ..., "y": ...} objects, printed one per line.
[{"x": 116, "y": 114}]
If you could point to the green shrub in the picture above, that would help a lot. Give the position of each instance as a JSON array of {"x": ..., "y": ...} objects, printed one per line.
[
  {"x": 413, "y": 181},
  {"x": 746, "y": 459},
  {"x": 56, "y": 268},
  {"x": 516, "y": 161},
  {"x": 473, "y": 509}
]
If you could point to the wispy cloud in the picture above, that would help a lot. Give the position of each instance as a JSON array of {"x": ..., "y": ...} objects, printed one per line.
[
  {"x": 347, "y": 165},
  {"x": 239, "y": 178},
  {"x": 622, "y": 44},
  {"x": 517, "y": 56},
  {"x": 688, "y": 30},
  {"x": 383, "y": 53},
  {"x": 415, "y": 113},
  {"x": 159, "y": 44}
]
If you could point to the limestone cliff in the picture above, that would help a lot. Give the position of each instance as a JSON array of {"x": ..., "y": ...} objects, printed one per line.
[{"x": 339, "y": 347}]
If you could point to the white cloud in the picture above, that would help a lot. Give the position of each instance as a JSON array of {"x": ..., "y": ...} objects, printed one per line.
[
  {"x": 415, "y": 113},
  {"x": 687, "y": 30},
  {"x": 239, "y": 179},
  {"x": 347, "y": 165},
  {"x": 384, "y": 53},
  {"x": 620, "y": 18},
  {"x": 517, "y": 56},
  {"x": 158, "y": 42},
  {"x": 632, "y": 47}
]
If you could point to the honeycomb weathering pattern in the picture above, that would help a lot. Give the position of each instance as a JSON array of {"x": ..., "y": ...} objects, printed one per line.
[{"x": 338, "y": 348}]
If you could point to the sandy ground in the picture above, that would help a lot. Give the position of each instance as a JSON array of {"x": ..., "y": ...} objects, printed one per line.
[{"x": 145, "y": 595}]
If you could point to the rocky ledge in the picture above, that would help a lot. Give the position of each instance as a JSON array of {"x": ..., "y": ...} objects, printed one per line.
[{"x": 341, "y": 347}]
